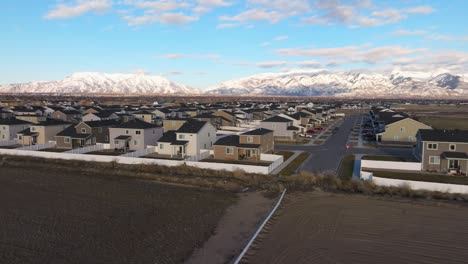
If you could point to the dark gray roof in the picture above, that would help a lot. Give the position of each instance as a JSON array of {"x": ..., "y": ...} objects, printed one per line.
[
  {"x": 277, "y": 119},
  {"x": 191, "y": 126},
  {"x": 13, "y": 121},
  {"x": 440, "y": 135},
  {"x": 52, "y": 122},
  {"x": 292, "y": 128},
  {"x": 71, "y": 132},
  {"x": 171, "y": 137},
  {"x": 136, "y": 124},
  {"x": 123, "y": 137},
  {"x": 454, "y": 155},
  {"x": 233, "y": 140},
  {"x": 258, "y": 131}
]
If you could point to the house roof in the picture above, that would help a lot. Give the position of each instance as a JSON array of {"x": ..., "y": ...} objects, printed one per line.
[
  {"x": 454, "y": 155},
  {"x": 136, "y": 124},
  {"x": 233, "y": 141},
  {"x": 292, "y": 128},
  {"x": 13, "y": 121},
  {"x": 52, "y": 122},
  {"x": 277, "y": 119},
  {"x": 441, "y": 135},
  {"x": 299, "y": 115},
  {"x": 191, "y": 126},
  {"x": 258, "y": 131},
  {"x": 102, "y": 123},
  {"x": 171, "y": 137},
  {"x": 71, "y": 132},
  {"x": 123, "y": 137}
]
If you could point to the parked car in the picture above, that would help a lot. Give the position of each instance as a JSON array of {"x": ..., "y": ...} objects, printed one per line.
[
  {"x": 311, "y": 131},
  {"x": 319, "y": 128},
  {"x": 309, "y": 136}
]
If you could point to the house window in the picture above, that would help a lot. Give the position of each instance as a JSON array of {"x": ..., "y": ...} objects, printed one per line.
[
  {"x": 138, "y": 132},
  {"x": 66, "y": 140},
  {"x": 250, "y": 139},
  {"x": 126, "y": 131},
  {"x": 434, "y": 160},
  {"x": 402, "y": 129},
  {"x": 452, "y": 147},
  {"x": 454, "y": 164},
  {"x": 83, "y": 131},
  {"x": 229, "y": 151},
  {"x": 33, "y": 128},
  {"x": 135, "y": 142},
  {"x": 432, "y": 146},
  {"x": 208, "y": 134},
  {"x": 20, "y": 138},
  {"x": 161, "y": 146},
  {"x": 181, "y": 136},
  {"x": 3, "y": 136},
  {"x": 106, "y": 138}
]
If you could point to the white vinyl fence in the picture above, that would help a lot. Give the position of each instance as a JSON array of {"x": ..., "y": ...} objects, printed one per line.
[
  {"x": 391, "y": 165},
  {"x": 140, "y": 153},
  {"x": 416, "y": 185},
  {"x": 38, "y": 146},
  {"x": 204, "y": 154},
  {"x": 85, "y": 149},
  {"x": 7, "y": 142},
  {"x": 136, "y": 160}
]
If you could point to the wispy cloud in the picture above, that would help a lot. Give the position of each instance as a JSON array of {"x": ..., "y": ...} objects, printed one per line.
[
  {"x": 78, "y": 8},
  {"x": 403, "y": 32},
  {"x": 280, "y": 38}
]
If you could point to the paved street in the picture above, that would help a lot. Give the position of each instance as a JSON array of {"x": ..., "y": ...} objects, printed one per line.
[{"x": 327, "y": 157}]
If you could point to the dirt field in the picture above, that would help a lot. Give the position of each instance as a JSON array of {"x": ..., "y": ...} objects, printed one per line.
[
  {"x": 51, "y": 217},
  {"x": 334, "y": 228}
]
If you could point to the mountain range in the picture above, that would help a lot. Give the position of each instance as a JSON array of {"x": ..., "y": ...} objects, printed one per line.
[{"x": 438, "y": 84}]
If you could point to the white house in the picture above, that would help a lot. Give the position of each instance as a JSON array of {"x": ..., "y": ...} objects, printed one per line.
[
  {"x": 134, "y": 135},
  {"x": 188, "y": 140}
]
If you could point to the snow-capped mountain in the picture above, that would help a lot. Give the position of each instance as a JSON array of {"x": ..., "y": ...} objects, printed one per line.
[
  {"x": 348, "y": 83},
  {"x": 103, "y": 83}
]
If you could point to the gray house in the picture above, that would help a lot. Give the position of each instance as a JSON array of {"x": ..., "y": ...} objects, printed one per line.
[
  {"x": 282, "y": 127},
  {"x": 443, "y": 150}
]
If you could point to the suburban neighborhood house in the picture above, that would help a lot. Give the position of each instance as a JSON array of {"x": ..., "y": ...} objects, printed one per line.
[
  {"x": 10, "y": 127},
  {"x": 282, "y": 127},
  {"x": 41, "y": 133},
  {"x": 246, "y": 146},
  {"x": 134, "y": 135},
  {"x": 188, "y": 140},
  {"x": 85, "y": 134},
  {"x": 395, "y": 127},
  {"x": 443, "y": 150}
]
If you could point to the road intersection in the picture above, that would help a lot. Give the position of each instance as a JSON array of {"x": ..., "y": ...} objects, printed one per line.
[{"x": 327, "y": 156}]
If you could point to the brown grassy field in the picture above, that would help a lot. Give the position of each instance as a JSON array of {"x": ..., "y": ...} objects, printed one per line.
[
  {"x": 48, "y": 216},
  {"x": 443, "y": 122},
  {"x": 334, "y": 228},
  {"x": 439, "y": 116}
]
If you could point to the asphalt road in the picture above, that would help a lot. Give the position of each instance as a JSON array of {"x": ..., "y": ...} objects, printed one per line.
[{"x": 327, "y": 157}]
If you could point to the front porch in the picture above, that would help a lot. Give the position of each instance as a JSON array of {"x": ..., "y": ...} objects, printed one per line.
[{"x": 454, "y": 163}]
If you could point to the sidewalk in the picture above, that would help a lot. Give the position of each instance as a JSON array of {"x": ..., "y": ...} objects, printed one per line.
[
  {"x": 357, "y": 166},
  {"x": 286, "y": 162}
]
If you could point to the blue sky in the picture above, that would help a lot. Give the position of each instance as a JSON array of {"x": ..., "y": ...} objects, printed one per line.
[{"x": 204, "y": 42}]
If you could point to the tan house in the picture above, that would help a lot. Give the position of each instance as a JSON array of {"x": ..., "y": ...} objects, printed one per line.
[
  {"x": 173, "y": 123},
  {"x": 247, "y": 146},
  {"x": 41, "y": 133},
  {"x": 227, "y": 118},
  {"x": 400, "y": 130},
  {"x": 66, "y": 115}
]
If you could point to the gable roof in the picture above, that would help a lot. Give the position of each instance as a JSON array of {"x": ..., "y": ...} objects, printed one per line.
[
  {"x": 102, "y": 123},
  {"x": 233, "y": 141},
  {"x": 258, "y": 131},
  {"x": 277, "y": 119},
  {"x": 13, "y": 121},
  {"x": 441, "y": 135},
  {"x": 136, "y": 124},
  {"x": 71, "y": 132},
  {"x": 191, "y": 126}
]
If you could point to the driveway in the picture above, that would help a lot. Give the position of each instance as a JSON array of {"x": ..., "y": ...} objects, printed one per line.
[{"x": 327, "y": 157}]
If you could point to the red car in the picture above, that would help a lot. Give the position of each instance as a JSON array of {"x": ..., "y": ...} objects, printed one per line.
[
  {"x": 319, "y": 128},
  {"x": 310, "y": 131}
]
